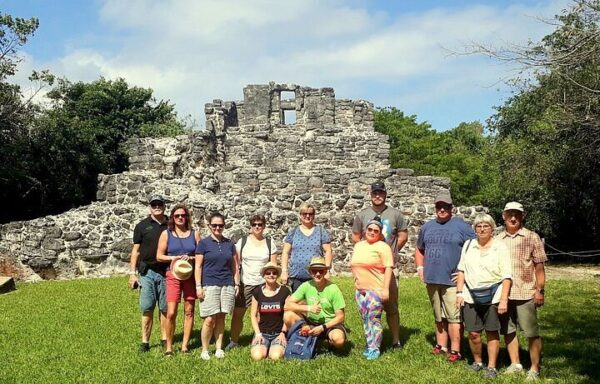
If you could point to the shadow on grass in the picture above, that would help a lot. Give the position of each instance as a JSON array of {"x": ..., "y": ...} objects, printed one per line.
[{"x": 405, "y": 335}]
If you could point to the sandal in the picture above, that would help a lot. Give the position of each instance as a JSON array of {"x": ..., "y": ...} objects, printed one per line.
[{"x": 168, "y": 353}]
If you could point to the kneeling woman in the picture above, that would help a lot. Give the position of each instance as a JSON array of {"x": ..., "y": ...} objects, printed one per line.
[
  {"x": 485, "y": 271},
  {"x": 372, "y": 264},
  {"x": 268, "y": 302}
]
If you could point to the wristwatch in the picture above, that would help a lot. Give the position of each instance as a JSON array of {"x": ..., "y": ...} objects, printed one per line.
[{"x": 541, "y": 291}]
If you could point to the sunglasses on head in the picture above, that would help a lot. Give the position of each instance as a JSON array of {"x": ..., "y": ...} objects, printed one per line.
[
  {"x": 180, "y": 215},
  {"x": 217, "y": 226}
]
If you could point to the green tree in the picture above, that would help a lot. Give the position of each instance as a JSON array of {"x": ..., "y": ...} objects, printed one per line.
[{"x": 459, "y": 153}]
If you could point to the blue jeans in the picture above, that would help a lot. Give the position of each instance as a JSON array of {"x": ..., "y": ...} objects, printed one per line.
[{"x": 153, "y": 290}]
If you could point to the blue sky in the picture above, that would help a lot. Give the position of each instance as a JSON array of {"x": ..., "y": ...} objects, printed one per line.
[{"x": 392, "y": 53}]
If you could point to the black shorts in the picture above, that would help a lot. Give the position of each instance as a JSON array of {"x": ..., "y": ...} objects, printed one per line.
[{"x": 479, "y": 317}]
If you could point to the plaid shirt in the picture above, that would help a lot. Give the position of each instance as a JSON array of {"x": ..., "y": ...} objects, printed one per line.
[{"x": 526, "y": 249}]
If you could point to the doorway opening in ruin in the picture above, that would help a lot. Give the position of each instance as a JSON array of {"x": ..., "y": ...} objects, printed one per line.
[{"x": 288, "y": 95}]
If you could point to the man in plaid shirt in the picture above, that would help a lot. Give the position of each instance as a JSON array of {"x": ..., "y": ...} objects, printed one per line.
[{"x": 527, "y": 292}]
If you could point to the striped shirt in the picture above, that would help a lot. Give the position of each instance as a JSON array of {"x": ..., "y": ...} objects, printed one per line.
[{"x": 526, "y": 249}]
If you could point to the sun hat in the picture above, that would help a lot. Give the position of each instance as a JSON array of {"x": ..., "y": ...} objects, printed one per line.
[
  {"x": 182, "y": 269},
  {"x": 513, "y": 205},
  {"x": 317, "y": 262},
  {"x": 270, "y": 265}
]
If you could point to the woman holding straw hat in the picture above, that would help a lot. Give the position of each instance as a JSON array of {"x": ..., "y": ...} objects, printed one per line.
[
  {"x": 177, "y": 246},
  {"x": 268, "y": 302}
]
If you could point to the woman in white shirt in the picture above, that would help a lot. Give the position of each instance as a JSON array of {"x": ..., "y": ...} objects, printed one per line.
[{"x": 483, "y": 285}]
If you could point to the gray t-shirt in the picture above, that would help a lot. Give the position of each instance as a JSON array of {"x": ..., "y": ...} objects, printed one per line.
[
  {"x": 392, "y": 219},
  {"x": 443, "y": 243}
]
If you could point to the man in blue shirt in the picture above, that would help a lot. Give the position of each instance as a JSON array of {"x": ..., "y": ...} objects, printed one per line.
[{"x": 439, "y": 247}]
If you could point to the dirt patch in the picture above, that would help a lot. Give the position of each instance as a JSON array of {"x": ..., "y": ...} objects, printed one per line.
[{"x": 573, "y": 272}]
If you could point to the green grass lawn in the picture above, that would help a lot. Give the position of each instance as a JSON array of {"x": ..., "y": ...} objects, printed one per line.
[{"x": 87, "y": 331}]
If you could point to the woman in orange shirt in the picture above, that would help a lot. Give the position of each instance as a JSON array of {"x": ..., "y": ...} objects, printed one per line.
[{"x": 372, "y": 264}]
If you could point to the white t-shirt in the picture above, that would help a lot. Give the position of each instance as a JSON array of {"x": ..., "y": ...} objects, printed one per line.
[{"x": 254, "y": 257}]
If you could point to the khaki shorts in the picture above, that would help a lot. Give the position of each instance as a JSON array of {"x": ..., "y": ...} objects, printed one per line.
[
  {"x": 244, "y": 297},
  {"x": 522, "y": 313},
  {"x": 443, "y": 301},
  {"x": 391, "y": 307}
]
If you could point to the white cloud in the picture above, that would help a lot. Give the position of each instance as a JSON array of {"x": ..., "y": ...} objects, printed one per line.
[{"x": 194, "y": 51}]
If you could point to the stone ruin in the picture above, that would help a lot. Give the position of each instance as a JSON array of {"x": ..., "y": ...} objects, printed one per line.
[{"x": 282, "y": 145}]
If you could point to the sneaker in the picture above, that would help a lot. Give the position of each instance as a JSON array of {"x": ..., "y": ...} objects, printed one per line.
[
  {"x": 219, "y": 353},
  {"x": 438, "y": 349},
  {"x": 490, "y": 373},
  {"x": 205, "y": 355},
  {"x": 476, "y": 367},
  {"x": 513, "y": 368},
  {"x": 144, "y": 347},
  {"x": 532, "y": 375},
  {"x": 232, "y": 344},
  {"x": 454, "y": 356},
  {"x": 373, "y": 354},
  {"x": 397, "y": 346},
  {"x": 366, "y": 352}
]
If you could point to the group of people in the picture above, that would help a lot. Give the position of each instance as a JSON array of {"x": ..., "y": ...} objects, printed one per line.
[{"x": 475, "y": 281}]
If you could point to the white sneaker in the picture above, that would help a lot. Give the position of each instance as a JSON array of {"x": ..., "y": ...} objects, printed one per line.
[
  {"x": 532, "y": 376},
  {"x": 205, "y": 355},
  {"x": 219, "y": 354},
  {"x": 513, "y": 368}
]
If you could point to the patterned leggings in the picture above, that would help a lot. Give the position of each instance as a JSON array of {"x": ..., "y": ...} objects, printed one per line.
[{"x": 370, "y": 307}]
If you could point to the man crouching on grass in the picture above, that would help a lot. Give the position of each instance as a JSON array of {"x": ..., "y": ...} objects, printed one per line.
[{"x": 320, "y": 303}]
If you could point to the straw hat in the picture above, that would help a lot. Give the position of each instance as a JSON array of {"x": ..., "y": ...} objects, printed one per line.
[
  {"x": 182, "y": 269},
  {"x": 270, "y": 265}
]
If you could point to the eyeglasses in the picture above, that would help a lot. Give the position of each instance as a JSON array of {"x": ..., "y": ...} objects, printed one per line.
[
  {"x": 445, "y": 207},
  {"x": 483, "y": 227},
  {"x": 217, "y": 226},
  {"x": 258, "y": 225},
  {"x": 318, "y": 271},
  {"x": 270, "y": 273},
  {"x": 309, "y": 214},
  {"x": 157, "y": 205},
  {"x": 373, "y": 230},
  {"x": 180, "y": 216}
]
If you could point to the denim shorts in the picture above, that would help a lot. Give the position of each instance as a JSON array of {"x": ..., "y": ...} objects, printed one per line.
[
  {"x": 153, "y": 290},
  {"x": 268, "y": 340}
]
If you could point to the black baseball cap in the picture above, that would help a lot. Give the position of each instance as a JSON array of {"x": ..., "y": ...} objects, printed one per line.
[
  {"x": 378, "y": 186},
  {"x": 158, "y": 198}
]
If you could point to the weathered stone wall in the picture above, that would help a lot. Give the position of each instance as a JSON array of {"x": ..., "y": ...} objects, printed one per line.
[{"x": 247, "y": 160}]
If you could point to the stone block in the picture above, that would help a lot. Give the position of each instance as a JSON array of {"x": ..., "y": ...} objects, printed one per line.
[{"x": 7, "y": 284}]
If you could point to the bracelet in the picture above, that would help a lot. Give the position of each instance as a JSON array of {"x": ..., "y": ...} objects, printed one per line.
[
  {"x": 198, "y": 286},
  {"x": 284, "y": 269},
  {"x": 459, "y": 294},
  {"x": 419, "y": 267}
]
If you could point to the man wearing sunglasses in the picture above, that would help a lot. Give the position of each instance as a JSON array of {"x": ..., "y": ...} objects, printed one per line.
[
  {"x": 439, "y": 247},
  {"x": 152, "y": 273},
  {"x": 395, "y": 232}
]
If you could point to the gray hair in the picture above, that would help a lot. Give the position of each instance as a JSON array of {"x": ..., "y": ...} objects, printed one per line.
[{"x": 484, "y": 218}]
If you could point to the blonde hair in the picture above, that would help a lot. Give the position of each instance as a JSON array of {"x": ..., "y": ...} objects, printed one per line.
[
  {"x": 305, "y": 206},
  {"x": 484, "y": 218}
]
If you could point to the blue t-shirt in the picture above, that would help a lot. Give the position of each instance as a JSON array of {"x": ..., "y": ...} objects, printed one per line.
[
  {"x": 217, "y": 262},
  {"x": 443, "y": 243},
  {"x": 304, "y": 248}
]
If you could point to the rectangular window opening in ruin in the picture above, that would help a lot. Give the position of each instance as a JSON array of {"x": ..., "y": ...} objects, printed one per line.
[
  {"x": 288, "y": 95},
  {"x": 289, "y": 117}
]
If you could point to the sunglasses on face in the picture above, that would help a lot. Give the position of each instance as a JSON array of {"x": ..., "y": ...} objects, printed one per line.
[
  {"x": 318, "y": 271},
  {"x": 270, "y": 273},
  {"x": 258, "y": 225},
  {"x": 180, "y": 215},
  {"x": 217, "y": 226},
  {"x": 373, "y": 230},
  {"x": 308, "y": 214},
  {"x": 157, "y": 205},
  {"x": 445, "y": 207}
]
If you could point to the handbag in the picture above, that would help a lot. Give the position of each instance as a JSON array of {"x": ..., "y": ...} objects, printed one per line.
[
  {"x": 299, "y": 346},
  {"x": 484, "y": 296}
]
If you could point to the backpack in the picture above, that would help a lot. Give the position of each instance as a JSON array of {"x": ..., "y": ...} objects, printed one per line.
[
  {"x": 300, "y": 347},
  {"x": 245, "y": 239}
]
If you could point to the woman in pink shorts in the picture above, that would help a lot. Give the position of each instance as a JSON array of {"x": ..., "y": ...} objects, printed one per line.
[{"x": 176, "y": 243}]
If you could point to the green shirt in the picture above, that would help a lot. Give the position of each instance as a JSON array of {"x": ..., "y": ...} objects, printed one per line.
[{"x": 331, "y": 300}]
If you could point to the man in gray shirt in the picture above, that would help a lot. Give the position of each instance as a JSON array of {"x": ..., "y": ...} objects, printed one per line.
[{"x": 396, "y": 234}]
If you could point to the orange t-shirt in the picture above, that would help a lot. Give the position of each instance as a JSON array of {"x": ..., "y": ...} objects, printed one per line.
[{"x": 368, "y": 264}]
